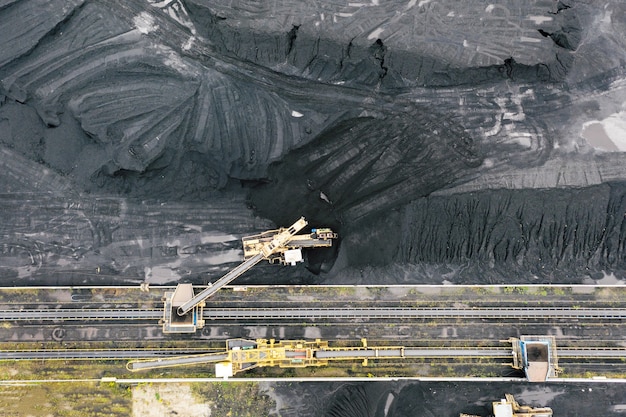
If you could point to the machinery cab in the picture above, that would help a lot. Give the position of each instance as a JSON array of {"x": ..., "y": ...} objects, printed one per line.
[
  {"x": 291, "y": 252},
  {"x": 508, "y": 407}
]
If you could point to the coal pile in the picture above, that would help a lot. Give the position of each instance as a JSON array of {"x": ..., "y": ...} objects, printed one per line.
[{"x": 445, "y": 142}]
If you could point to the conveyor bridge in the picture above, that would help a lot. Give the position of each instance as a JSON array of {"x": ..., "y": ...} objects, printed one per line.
[
  {"x": 243, "y": 354},
  {"x": 322, "y": 313}
]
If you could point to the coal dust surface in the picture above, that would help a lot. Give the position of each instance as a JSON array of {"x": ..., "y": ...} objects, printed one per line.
[
  {"x": 445, "y": 142},
  {"x": 443, "y": 399}
]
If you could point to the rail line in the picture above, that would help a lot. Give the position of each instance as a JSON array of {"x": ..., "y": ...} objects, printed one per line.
[{"x": 549, "y": 313}]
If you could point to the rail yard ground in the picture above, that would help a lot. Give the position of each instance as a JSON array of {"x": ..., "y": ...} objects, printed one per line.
[{"x": 453, "y": 332}]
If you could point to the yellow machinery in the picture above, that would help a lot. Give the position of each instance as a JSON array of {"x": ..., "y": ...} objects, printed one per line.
[
  {"x": 243, "y": 354},
  {"x": 183, "y": 310},
  {"x": 508, "y": 407}
]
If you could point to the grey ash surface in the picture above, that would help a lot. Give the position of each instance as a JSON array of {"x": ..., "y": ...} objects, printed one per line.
[{"x": 445, "y": 399}]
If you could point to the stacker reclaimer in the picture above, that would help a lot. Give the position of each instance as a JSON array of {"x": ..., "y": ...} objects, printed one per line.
[{"x": 183, "y": 308}]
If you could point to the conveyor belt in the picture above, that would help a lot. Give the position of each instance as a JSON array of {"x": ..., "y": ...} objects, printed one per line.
[
  {"x": 414, "y": 353},
  {"x": 80, "y": 314},
  {"x": 199, "y": 356},
  {"x": 225, "y": 280},
  {"x": 82, "y": 354},
  {"x": 178, "y": 361},
  {"x": 414, "y": 313},
  {"x": 323, "y": 313}
]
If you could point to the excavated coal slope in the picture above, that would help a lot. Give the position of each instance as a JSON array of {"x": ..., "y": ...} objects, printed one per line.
[
  {"x": 443, "y": 399},
  {"x": 445, "y": 142}
]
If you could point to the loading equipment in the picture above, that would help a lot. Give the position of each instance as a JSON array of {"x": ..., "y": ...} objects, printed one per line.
[
  {"x": 183, "y": 308},
  {"x": 508, "y": 407},
  {"x": 537, "y": 356},
  {"x": 243, "y": 354}
]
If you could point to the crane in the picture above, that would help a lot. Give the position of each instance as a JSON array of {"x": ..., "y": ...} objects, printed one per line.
[
  {"x": 183, "y": 308},
  {"x": 508, "y": 407}
]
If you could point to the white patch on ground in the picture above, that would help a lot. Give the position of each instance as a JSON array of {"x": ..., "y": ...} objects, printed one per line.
[
  {"x": 312, "y": 333},
  {"x": 540, "y": 397},
  {"x": 157, "y": 400},
  {"x": 608, "y": 134},
  {"x": 160, "y": 274},
  {"x": 212, "y": 237},
  {"x": 144, "y": 23},
  {"x": 495, "y": 129},
  {"x": 607, "y": 279},
  {"x": 176, "y": 10},
  {"x": 176, "y": 62},
  {"x": 540, "y": 19},
  {"x": 390, "y": 398},
  {"x": 296, "y": 114},
  {"x": 527, "y": 39},
  {"x": 618, "y": 84},
  {"x": 229, "y": 256},
  {"x": 375, "y": 33},
  {"x": 524, "y": 139},
  {"x": 25, "y": 271},
  {"x": 615, "y": 128},
  {"x": 187, "y": 46}
]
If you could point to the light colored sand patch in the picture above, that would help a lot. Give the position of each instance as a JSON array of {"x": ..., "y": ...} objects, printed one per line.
[
  {"x": 144, "y": 23},
  {"x": 157, "y": 400},
  {"x": 596, "y": 136},
  {"x": 608, "y": 134},
  {"x": 607, "y": 279},
  {"x": 615, "y": 128}
]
